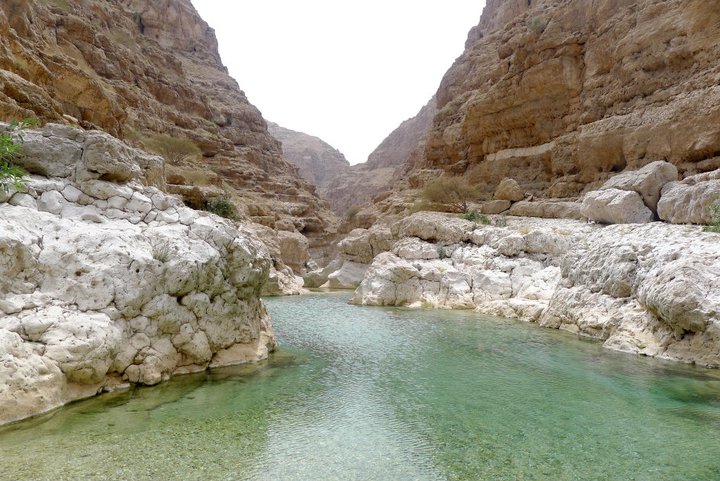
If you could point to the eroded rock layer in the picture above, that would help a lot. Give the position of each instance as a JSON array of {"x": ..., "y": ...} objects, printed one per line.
[
  {"x": 142, "y": 68},
  {"x": 385, "y": 167},
  {"x": 559, "y": 94}
]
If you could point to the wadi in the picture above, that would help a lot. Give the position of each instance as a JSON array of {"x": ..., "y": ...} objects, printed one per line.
[{"x": 521, "y": 282}]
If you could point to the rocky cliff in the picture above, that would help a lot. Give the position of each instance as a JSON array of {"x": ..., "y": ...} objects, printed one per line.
[
  {"x": 560, "y": 94},
  {"x": 317, "y": 161},
  {"x": 149, "y": 71},
  {"x": 107, "y": 280},
  {"x": 388, "y": 164}
]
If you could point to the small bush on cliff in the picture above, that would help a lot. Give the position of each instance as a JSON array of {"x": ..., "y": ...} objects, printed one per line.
[
  {"x": 223, "y": 207},
  {"x": 352, "y": 212},
  {"x": 12, "y": 176},
  {"x": 714, "y": 225},
  {"x": 454, "y": 193},
  {"x": 475, "y": 216},
  {"x": 537, "y": 24},
  {"x": 175, "y": 150}
]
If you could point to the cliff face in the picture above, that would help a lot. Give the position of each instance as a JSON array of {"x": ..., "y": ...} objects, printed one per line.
[
  {"x": 317, "y": 161},
  {"x": 402, "y": 142},
  {"x": 386, "y": 165},
  {"x": 139, "y": 68},
  {"x": 559, "y": 94}
]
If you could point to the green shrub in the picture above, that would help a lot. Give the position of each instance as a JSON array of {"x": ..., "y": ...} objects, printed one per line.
[
  {"x": 352, "y": 212},
  {"x": 451, "y": 192},
  {"x": 12, "y": 176},
  {"x": 537, "y": 24},
  {"x": 223, "y": 207},
  {"x": 174, "y": 149},
  {"x": 714, "y": 225},
  {"x": 475, "y": 216}
]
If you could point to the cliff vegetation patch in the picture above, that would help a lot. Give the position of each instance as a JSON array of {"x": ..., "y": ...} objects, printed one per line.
[{"x": 714, "y": 225}]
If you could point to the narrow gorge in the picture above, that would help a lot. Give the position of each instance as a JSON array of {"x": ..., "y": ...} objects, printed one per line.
[{"x": 161, "y": 232}]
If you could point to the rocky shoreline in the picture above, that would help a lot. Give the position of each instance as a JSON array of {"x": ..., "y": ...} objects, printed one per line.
[{"x": 651, "y": 289}]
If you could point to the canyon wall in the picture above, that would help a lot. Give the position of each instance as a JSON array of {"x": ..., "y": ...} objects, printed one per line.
[
  {"x": 317, "y": 161},
  {"x": 149, "y": 72},
  {"x": 561, "y": 94},
  {"x": 386, "y": 165}
]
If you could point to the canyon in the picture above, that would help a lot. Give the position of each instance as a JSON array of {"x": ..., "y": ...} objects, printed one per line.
[{"x": 589, "y": 129}]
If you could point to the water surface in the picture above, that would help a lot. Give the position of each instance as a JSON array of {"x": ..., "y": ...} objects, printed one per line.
[{"x": 390, "y": 394}]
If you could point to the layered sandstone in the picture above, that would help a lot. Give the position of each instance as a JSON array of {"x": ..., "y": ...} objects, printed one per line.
[
  {"x": 140, "y": 69},
  {"x": 107, "y": 280},
  {"x": 559, "y": 95}
]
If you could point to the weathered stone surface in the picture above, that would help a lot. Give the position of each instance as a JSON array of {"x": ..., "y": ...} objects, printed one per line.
[
  {"x": 318, "y": 277},
  {"x": 538, "y": 96},
  {"x": 282, "y": 279},
  {"x": 294, "y": 250},
  {"x": 547, "y": 210},
  {"x": 652, "y": 289},
  {"x": 688, "y": 202},
  {"x": 433, "y": 226},
  {"x": 613, "y": 206},
  {"x": 493, "y": 206},
  {"x": 647, "y": 181},
  {"x": 95, "y": 294},
  {"x": 508, "y": 189},
  {"x": 147, "y": 71},
  {"x": 362, "y": 245},
  {"x": 348, "y": 276},
  {"x": 496, "y": 269}
]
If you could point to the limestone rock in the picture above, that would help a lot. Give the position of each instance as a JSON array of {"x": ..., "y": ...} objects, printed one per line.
[
  {"x": 493, "y": 207},
  {"x": 318, "y": 277},
  {"x": 104, "y": 281},
  {"x": 613, "y": 206},
  {"x": 508, "y": 189},
  {"x": 688, "y": 202},
  {"x": 294, "y": 250},
  {"x": 647, "y": 181},
  {"x": 348, "y": 276},
  {"x": 547, "y": 209},
  {"x": 642, "y": 288},
  {"x": 362, "y": 245},
  {"x": 433, "y": 226}
]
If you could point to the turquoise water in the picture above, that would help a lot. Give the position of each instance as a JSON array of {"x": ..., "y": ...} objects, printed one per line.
[{"x": 389, "y": 394}]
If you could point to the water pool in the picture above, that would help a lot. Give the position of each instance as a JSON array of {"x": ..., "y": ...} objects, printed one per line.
[{"x": 391, "y": 394}]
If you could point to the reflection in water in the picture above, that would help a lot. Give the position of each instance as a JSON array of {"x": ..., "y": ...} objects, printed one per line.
[{"x": 392, "y": 394}]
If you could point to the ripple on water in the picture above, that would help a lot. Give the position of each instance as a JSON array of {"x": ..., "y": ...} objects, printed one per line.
[{"x": 392, "y": 394}]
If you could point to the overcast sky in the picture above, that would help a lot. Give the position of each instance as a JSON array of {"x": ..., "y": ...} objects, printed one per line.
[{"x": 347, "y": 72}]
